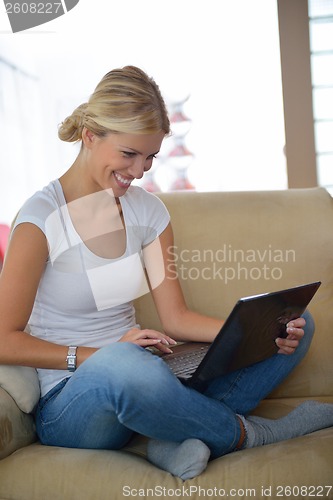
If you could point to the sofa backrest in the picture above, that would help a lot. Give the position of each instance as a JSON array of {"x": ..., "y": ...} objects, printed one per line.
[{"x": 234, "y": 244}]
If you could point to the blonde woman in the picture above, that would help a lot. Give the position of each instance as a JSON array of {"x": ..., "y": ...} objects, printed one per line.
[{"x": 79, "y": 253}]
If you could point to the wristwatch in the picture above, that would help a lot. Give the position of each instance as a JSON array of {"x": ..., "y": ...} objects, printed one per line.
[{"x": 71, "y": 359}]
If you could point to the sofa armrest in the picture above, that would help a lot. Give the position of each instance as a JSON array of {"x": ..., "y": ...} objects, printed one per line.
[{"x": 17, "y": 429}]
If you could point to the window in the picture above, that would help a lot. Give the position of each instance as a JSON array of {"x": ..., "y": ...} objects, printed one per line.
[{"x": 321, "y": 44}]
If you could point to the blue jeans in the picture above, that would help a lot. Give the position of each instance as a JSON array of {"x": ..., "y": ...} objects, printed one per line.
[{"x": 122, "y": 389}]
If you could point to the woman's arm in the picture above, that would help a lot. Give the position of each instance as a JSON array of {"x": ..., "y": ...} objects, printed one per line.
[
  {"x": 24, "y": 265},
  {"x": 177, "y": 320}
]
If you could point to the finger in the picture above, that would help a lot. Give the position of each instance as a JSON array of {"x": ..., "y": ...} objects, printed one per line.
[
  {"x": 287, "y": 342},
  {"x": 163, "y": 348},
  {"x": 165, "y": 339},
  {"x": 170, "y": 340},
  {"x": 286, "y": 346},
  {"x": 287, "y": 351},
  {"x": 293, "y": 337},
  {"x": 297, "y": 323},
  {"x": 153, "y": 343},
  {"x": 150, "y": 334},
  {"x": 146, "y": 342},
  {"x": 161, "y": 340},
  {"x": 297, "y": 332}
]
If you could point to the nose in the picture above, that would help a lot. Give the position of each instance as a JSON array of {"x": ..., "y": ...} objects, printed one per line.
[{"x": 138, "y": 168}]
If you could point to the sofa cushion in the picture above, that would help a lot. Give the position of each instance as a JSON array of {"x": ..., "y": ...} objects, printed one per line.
[
  {"x": 22, "y": 383},
  {"x": 17, "y": 429}
]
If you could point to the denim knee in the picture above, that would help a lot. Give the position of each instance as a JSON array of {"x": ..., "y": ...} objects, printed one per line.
[
  {"x": 131, "y": 379},
  {"x": 126, "y": 369},
  {"x": 115, "y": 360},
  {"x": 309, "y": 329}
]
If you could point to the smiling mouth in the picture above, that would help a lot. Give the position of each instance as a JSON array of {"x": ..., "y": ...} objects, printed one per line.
[{"x": 122, "y": 181}]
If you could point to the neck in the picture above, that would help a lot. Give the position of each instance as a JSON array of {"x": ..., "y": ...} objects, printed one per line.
[{"x": 74, "y": 181}]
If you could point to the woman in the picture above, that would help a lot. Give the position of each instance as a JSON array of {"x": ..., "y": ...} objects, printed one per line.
[{"x": 78, "y": 256}]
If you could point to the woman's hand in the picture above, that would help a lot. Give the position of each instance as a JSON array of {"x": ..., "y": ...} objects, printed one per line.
[
  {"x": 148, "y": 338},
  {"x": 295, "y": 333}
]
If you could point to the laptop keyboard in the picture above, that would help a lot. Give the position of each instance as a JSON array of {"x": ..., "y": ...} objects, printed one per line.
[{"x": 184, "y": 364}]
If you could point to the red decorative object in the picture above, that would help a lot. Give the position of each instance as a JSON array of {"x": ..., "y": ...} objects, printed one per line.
[
  {"x": 179, "y": 157},
  {"x": 4, "y": 236}
]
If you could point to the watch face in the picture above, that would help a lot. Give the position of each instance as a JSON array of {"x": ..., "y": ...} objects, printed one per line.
[{"x": 71, "y": 364}]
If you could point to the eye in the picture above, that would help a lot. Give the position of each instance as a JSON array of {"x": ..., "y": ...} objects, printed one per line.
[
  {"x": 128, "y": 154},
  {"x": 149, "y": 162}
]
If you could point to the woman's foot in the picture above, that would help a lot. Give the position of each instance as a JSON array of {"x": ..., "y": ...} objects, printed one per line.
[
  {"x": 185, "y": 460},
  {"x": 306, "y": 418}
]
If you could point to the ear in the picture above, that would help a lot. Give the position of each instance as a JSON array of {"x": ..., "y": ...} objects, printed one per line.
[{"x": 88, "y": 137}]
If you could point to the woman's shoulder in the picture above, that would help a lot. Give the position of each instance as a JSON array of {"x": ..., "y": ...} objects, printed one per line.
[
  {"x": 143, "y": 199},
  {"x": 45, "y": 197},
  {"x": 147, "y": 210},
  {"x": 38, "y": 207}
]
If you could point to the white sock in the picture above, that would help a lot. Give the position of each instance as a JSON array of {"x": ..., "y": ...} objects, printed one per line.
[
  {"x": 306, "y": 418},
  {"x": 185, "y": 460}
]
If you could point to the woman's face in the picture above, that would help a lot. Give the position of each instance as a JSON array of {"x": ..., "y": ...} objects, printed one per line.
[{"x": 116, "y": 160}]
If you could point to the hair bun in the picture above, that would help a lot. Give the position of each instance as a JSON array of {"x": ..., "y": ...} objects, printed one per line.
[{"x": 70, "y": 130}]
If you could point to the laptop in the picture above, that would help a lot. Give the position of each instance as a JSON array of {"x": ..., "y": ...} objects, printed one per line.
[{"x": 247, "y": 336}]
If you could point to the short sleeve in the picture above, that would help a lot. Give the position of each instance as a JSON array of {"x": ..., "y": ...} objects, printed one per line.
[
  {"x": 155, "y": 216},
  {"x": 35, "y": 210}
]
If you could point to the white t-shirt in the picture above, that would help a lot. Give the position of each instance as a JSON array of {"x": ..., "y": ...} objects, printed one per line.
[{"x": 84, "y": 299}]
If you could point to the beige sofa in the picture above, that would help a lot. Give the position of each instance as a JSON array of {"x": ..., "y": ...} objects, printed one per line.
[{"x": 228, "y": 245}]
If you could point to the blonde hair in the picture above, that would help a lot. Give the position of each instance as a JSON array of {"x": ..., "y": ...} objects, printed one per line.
[{"x": 126, "y": 100}]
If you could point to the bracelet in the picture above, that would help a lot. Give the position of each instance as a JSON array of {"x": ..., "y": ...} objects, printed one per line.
[{"x": 71, "y": 359}]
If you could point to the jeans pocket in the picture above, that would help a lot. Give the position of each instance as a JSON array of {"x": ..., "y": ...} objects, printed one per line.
[{"x": 50, "y": 396}]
